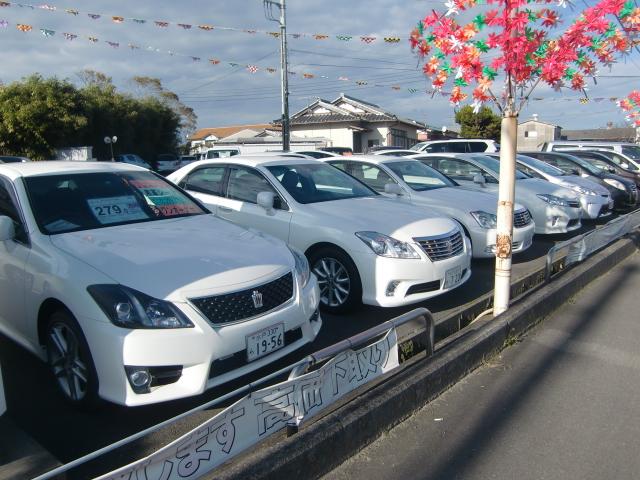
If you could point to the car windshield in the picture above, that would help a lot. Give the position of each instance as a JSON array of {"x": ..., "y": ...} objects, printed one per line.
[
  {"x": 418, "y": 146},
  {"x": 312, "y": 183},
  {"x": 589, "y": 167},
  {"x": 619, "y": 160},
  {"x": 631, "y": 151},
  {"x": 541, "y": 166},
  {"x": 82, "y": 201},
  {"x": 493, "y": 164},
  {"x": 419, "y": 176}
]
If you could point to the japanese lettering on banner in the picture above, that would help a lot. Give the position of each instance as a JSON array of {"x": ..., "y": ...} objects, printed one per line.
[{"x": 262, "y": 413}]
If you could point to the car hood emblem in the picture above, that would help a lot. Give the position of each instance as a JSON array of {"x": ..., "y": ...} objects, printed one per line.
[{"x": 256, "y": 296}]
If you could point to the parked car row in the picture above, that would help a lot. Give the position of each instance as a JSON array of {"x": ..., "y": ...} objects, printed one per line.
[{"x": 138, "y": 289}]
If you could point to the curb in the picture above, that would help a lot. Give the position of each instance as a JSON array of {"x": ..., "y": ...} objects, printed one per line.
[{"x": 330, "y": 440}]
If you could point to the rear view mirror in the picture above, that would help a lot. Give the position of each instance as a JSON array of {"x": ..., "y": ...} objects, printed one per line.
[
  {"x": 7, "y": 229},
  {"x": 266, "y": 200},
  {"x": 479, "y": 179},
  {"x": 393, "y": 189}
]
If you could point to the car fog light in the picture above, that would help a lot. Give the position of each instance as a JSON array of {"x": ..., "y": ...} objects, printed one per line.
[
  {"x": 490, "y": 249},
  {"x": 554, "y": 221},
  {"x": 391, "y": 288},
  {"x": 139, "y": 378}
]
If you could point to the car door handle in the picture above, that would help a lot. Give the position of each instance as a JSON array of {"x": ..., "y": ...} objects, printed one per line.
[{"x": 225, "y": 209}]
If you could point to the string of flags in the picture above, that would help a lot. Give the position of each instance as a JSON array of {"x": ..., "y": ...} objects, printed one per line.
[
  {"x": 120, "y": 19},
  {"x": 254, "y": 69}
]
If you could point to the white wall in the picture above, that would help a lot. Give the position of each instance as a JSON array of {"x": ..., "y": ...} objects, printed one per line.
[{"x": 339, "y": 137}]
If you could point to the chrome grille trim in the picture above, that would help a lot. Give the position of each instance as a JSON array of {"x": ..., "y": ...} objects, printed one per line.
[{"x": 441, "y": 247}]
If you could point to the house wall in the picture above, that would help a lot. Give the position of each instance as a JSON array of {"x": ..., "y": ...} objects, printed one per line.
[
  {"x": 338, "y": 136},
  {"x": 531, "y": 135}
]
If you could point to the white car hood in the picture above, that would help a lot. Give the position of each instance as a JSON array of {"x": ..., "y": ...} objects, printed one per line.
[
  {"x": 456, "y": 199},
  {"x": 400, "y": 220},
  {"x": 585, "y": 183},
  {"x": 536, "y": 186},
  {"x": 180, "y": 258}
]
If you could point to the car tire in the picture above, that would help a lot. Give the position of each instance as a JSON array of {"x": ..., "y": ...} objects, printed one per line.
[
  {"x": 338, "y": 279},
  {"x": 70, "y": 362}
]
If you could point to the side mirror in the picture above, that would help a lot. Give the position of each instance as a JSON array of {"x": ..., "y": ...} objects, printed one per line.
[
  {"x": 479, "y": 179},
  {"x": 266, "y": 200},
  {"x": 393, "y": 189},
  {"x": 7, "y": 229}
]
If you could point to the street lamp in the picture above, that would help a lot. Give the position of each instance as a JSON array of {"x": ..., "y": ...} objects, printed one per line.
[{"x": 111, "y": 141}]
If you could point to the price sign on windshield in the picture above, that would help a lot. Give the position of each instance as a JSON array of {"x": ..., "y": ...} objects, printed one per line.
[{"x": 116, "y": 209}]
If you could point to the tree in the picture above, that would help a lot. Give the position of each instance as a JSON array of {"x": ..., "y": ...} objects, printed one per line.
[
  {"x": 484, "y": 124},
  {"x": 38, "y": 115},
  {"x": 514, "y": 45}
]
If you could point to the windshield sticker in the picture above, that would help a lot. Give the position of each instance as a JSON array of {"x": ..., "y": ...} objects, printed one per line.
[
  {"x": 60, "y": 225},
  {"x": 116, "y": 209},
  {"x": 177, "y": 209}
]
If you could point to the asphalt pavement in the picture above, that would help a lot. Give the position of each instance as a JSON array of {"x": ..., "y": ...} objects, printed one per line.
[
  {"x": 561, "y": 404},
  {"x": 35, "y": 405}
]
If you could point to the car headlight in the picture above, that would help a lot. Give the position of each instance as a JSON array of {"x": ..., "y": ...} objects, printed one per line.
[
  {"x": 386, "y": 246},
  {"x": 302, "y": 267},
  {"x": 553, "y": 200},
  {"x": 615, "y": 183},
  {"x": 582, "y": 190},
  {"x": 485, "y": 219},
  {"x": 128, "y": 308}
]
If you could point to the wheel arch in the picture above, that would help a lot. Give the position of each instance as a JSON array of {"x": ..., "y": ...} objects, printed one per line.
[{"x": 48, "y": 307}]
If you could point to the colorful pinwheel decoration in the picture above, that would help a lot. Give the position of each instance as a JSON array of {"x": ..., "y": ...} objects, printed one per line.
[
  {"x": 513, "y": 40},
  {"x": 631, "y": 107}
]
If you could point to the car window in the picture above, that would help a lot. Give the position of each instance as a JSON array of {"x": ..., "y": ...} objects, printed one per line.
[
  {"x": 312, "y": 183},
  {"x": 69, "y": 202},
  {"x": 599, "y": 163},
  {"x": 631, "y": 151},
  {"x": 529, "y": 171},
  {"x": 372, "y": 175},
  {"x": 9, "y": 208},
  {"x": 620, "y": 160},
  {"x": 206, "y": 180},
  {"x": 246, "y": 183},
  {"x": 477, "y": 146},
  {"x": 222, "y": 153},
  {"x": 419, "y": 176},
  {"x": 458, "y": 169}
]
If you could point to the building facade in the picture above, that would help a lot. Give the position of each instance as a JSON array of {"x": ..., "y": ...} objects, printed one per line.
[
  {"x": 356, "y": 124},
  {"x": 532, "y": 134}
]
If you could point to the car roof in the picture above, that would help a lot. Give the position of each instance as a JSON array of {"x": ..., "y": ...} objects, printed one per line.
[
  {"x": 256, "y": 161},
  {"x": 34, "y": 169},
  {"x": 376, "y": 159}
]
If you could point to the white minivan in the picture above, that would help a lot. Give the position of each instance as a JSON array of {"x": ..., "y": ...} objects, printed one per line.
[{"x": 363, "y": 247}]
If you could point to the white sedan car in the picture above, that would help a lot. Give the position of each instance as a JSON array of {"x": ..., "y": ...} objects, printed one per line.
[
  {"x": 595, "y": 200},
  {"x": 413, "y": 181},
  {"x": 554, "y": 209},
  {"x": 135, "y": 293},
  {"x": 361, "y": 246}
]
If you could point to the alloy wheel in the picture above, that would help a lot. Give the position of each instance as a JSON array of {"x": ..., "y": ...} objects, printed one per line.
[
  {"x": 333, "y": 280},
  {"x": 69, "y": 369}
]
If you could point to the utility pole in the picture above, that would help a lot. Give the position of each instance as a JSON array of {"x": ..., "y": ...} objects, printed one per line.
[{"x": 284, "y": 66}]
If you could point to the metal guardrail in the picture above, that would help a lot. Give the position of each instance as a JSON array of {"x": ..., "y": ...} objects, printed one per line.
[
  {"x": 581, "y": 247},
  {"x": 415, "y": 328}
]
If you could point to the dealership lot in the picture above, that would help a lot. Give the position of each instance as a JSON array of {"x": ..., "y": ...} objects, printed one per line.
[{"x": 36, "y": 406}]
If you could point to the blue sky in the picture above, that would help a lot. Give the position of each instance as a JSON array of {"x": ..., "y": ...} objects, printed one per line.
[{"x": 226, "y": 95}]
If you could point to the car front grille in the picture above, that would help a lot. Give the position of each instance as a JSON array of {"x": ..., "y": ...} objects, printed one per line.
[
  {"x": 245, "y": 304},
  {"x": 442, "y": 247},
  {"x": 521, "y": 218}
]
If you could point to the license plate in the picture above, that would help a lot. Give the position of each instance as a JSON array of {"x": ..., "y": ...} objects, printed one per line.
[
  {"x": 265, "y": 341},
  {"x": 452, "y": 277}
]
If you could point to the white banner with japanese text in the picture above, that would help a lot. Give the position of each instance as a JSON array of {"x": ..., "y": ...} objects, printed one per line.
[{"x": 262, "y": 413}]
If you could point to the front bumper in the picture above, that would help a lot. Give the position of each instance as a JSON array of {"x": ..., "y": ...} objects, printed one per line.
[
  {"x": 413, "y": 280},
  {"x": 554, "y": 219},
  {"x": 209, "y": 355},
  {"x": 593, "y": 205},
  {"x": 483, "y": 240}
]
